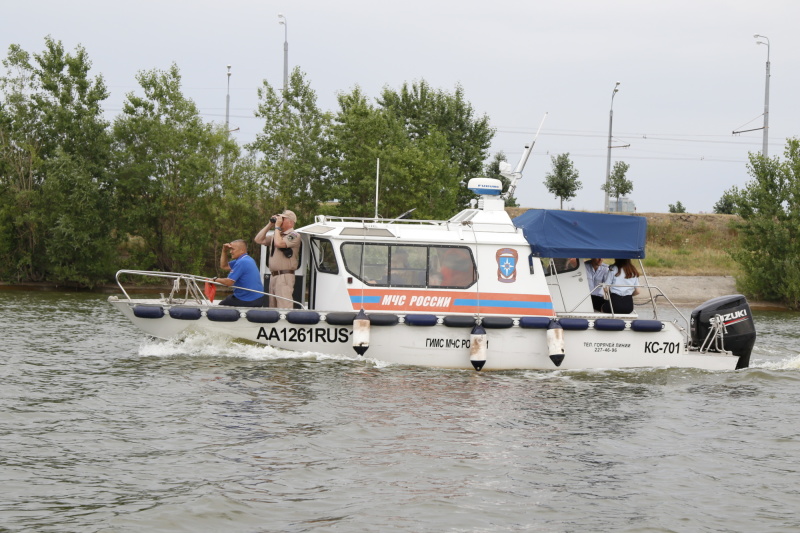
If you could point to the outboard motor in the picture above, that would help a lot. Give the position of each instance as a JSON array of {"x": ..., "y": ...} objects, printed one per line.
[{"x": 735, "y": 322}]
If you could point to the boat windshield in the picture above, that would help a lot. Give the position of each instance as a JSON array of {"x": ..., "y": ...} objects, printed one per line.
[{"x": 387, "y": 265}]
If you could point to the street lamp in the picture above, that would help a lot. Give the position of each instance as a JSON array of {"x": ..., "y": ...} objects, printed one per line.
[
  {"x": 766, "y": 95},
  {"x": 608, "y": 160},
  {"x": 228, "y": 100},
  {"x": 285, "y": 24}
]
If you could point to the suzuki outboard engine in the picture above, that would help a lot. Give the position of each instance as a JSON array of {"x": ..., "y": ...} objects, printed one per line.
[{"x": 724, "y": 323}]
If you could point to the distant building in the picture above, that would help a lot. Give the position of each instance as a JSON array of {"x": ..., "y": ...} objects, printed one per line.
[{"x": 626, "y": 205}]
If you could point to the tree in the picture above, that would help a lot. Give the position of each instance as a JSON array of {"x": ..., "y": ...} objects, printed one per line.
[
  {"x": 293, "y": 147},
  {"x": 727, "y": 203},
  {"x": 562, "y": 181},
  {"x": 618, "y": 185},
  {"x": 492, "y": 170},
  {"x": 56, "y": 220},
  {"x": 415, "y": 171},
  {"x": 677, "y": 207},
  {"x": 768, "y": 248},
  {"x": 423, "y": 110},
  {"x": 172, "y": 172}
]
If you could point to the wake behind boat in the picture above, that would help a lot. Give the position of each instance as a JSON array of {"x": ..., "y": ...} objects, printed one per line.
[{"x": 475, "y": 291}]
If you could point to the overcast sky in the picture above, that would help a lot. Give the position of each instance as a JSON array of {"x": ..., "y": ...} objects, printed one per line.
[{"x": 690, "y": 72}]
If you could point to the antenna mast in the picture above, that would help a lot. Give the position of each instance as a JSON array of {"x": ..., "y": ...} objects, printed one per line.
[{"x": 516, "y": 175}]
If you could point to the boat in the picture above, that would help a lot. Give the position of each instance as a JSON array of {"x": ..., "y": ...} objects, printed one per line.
[{"x": 478, "y": 291}]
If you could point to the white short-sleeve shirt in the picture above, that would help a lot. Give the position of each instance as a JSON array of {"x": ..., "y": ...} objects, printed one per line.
[{"x": 620, "y": 284}]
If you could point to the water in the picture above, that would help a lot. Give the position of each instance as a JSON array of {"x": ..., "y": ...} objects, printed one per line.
[{"x": 104, "y": 430}]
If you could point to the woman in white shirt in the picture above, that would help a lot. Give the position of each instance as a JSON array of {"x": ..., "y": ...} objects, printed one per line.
[{"x": 623, "y": 281}]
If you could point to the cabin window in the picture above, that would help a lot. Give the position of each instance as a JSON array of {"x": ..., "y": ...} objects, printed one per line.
[
  {"x": 324, "y": 256},
  {"x": 451, "y": 267},
  {"x": 386, "y": 265},
  {"x": 560, "y": 265}
]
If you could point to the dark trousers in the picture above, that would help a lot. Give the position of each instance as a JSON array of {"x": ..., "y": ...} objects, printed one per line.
[
  {"x": 622, "y": 304},
  {"x": 597, "y": 302},
  {"x": 236, "y": 302}
]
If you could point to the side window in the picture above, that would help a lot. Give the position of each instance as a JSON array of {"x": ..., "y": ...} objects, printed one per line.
[
  {"x": 375, "y": 262},
  {"x": 451, "y": 267},
  {"x": 559, "y": 265},
  {"x": 324, "y": 257},
  {"x": 386, "y": 265},
  {"x": 408, "y": 266}
]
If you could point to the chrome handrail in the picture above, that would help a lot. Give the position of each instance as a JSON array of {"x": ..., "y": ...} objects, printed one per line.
[
  {"x": 652, "y": 299},
  {"x": 192, "y": 289}
]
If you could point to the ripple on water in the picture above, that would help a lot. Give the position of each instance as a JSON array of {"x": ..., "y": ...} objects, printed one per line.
[{"x": 104, "y": 430}]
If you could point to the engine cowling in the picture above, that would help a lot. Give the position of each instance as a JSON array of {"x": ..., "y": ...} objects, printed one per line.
[{"x": 737, "y": 323}]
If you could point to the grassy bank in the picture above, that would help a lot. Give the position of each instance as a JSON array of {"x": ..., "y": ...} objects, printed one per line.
[{"x": 684, "y": 244}]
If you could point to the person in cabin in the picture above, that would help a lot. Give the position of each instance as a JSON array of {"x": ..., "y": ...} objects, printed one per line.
[
  {"x": 398, "y": 270},
  {"x": 284, "y": 257},
  {"x": 596, "y": 273},
  {"x": 243, "y": 275},
  {"x": 623, "y": 281},
  {"x": 457, "y": 269}
]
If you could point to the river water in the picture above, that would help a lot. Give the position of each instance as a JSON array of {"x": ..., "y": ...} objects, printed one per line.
[{"x": 102, "y": 429}]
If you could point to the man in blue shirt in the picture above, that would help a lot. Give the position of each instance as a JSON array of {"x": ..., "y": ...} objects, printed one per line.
[{"x": 244, "y": 275}]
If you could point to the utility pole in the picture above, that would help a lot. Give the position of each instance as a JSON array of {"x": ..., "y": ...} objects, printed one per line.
[
  {"x": 228, "y": 101},
  {"x": 608, "y": 159},
  {"x": 766, "y": 97}
]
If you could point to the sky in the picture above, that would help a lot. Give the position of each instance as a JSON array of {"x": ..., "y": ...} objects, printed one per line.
[{"x": 690, "y": 73}]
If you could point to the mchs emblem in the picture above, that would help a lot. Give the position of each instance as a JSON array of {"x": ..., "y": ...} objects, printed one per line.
[{"x": 506, "y": 265}]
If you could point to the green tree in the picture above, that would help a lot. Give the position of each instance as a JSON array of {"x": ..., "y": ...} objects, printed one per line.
[
  {"x": 415, "y": 171},
  {"x": 677, "y": 207},
  {"x": 562, "y": 181},
  {"x": 618, "y": 185},
  {"x": 492, "y": 170},
  {"x": 768, "y": 248},
  {"x": 56, "y": 220},
  {"x": 293, "y": 148},
  {"x": 171, "y": 171},
  {"x": 727, "y": 203},
  {"x": 424, "y": 110}
]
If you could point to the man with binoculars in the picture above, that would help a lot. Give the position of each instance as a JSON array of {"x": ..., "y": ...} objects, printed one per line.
[{"x": 284, "y": 248}]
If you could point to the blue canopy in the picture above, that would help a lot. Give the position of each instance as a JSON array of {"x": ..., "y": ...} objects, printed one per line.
[{"x": 578, "y": 234}]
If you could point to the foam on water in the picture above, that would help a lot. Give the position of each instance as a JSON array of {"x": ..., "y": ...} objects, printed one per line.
[
  {"x": 199, "y": 344},
  {"x": 792, "y": 363}
]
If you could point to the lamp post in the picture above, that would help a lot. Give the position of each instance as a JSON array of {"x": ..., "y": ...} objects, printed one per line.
[
  {"x": 228, "y": 100},
  {"x": 285, "y": 24},
  {"x": 608, "y": 160},
  {"x": 766, "y": 96}
]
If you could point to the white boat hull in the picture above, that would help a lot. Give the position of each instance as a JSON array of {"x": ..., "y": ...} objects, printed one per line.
[{"x": 441, "y": 346}]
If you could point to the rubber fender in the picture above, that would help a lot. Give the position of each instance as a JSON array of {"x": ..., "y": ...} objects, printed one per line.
[
  {"x": 302, "y": 317},
  {"x": 459, "y": 321},
  {"x": 648, "y": 326},
  {"x": 497, "y": 322},
  {"x": 148, "y": 311},
  {"x": 383, "y": 320},
  {"x": 185, "y": 313},
  {"x": 340, "y": 319},
  {"x": 262, "y": 316},
  {"x": 421, "y": 320},
  {"x": 609, "y": 324},
  {"x": 534, "y": 322},
  {"x": 223, "y": 315},
  {"x": 575, "y": 324}
]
